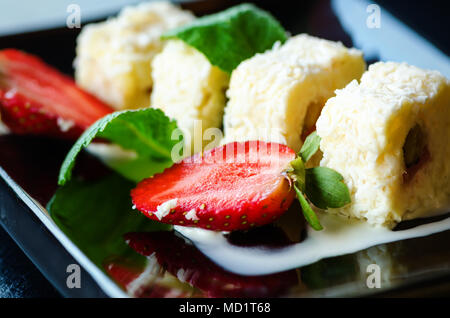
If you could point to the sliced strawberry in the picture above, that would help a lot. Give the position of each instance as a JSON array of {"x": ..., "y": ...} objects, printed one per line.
[
  {"x": 188, "y": 264},
  {"x": 233, "y": 187},
  {"x": 37, "y": 99}
]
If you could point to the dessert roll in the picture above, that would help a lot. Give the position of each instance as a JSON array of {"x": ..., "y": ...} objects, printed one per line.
[
  {"x": 188, "y": 88},
  {"x": 114, "y": 57},
  {"x": 389, "y": 138},
  {"x": 278, "y": 95}
]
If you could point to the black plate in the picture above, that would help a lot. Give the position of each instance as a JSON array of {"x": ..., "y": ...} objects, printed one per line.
[{"x": 28, "y": 171}]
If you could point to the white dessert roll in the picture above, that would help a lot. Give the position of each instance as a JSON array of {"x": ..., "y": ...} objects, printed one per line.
[
  {"x": 114, "y": 57},
  {"x": 389, "y": 138},
  {"x": 278, "y": 95},
  {"x": 188, "y": 88}
]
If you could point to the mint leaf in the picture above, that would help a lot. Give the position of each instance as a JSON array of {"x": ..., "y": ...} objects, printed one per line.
[
  {"x": 310, "y": 146},
  {"x": 146, "y": 131},
  {"x": 325, "y": 188},
  {"x": 96, "y": 215},
  {"x": 229, "y": 37},
  {"x": 308, "y": 212}
]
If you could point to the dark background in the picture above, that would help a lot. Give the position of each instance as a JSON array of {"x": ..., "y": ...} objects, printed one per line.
[{"x": 18, "y": 276}]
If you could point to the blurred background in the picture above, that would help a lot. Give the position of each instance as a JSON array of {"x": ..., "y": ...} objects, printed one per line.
[
  {"x": 40, "y": 26},
  {"x": 409, "y": 29}
]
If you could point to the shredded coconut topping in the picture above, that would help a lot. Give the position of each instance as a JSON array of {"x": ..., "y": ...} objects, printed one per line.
[
  {"x": 164, "y": 208},
  {"x": 192, "y": 215},
  {"x": 64, "y": 125}
]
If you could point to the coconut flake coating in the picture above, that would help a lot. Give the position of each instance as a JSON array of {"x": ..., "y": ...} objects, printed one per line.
[{"x": 363, "y": 130}]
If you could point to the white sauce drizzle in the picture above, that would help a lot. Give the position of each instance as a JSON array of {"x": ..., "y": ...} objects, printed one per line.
[
  {"x": 340, "y": 236},
  {"x": 110, "y": 153}
]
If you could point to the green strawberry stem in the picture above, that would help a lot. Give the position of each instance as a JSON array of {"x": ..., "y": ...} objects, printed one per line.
[
  {"x": 298, "y": 173},
  {"x": 297, "y": 176},
  {"x": 308, "y": 212},
  {"x": 310, "y": 146},
  {"x": 323, "y": 186}
]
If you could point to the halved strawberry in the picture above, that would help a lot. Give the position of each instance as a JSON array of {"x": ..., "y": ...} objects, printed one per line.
[
  {"x": 233, "y": 187},
  {"x": 37, "y": 99}
]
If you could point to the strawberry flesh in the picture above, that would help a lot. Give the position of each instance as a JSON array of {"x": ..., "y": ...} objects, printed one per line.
[
  {"x": 232, "y": 187},
  {"x": 37, "y": 99}
]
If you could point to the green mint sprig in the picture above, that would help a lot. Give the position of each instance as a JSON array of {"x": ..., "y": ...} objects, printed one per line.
[
  {"x": 146, "y": 131},
  {"x": 229, "y": 37},
  {"x": 323, "y": 186},
  {"x": 96, "y": 214}
]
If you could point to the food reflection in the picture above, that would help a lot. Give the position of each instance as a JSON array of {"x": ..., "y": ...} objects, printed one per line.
[
  {"x": 148, "y": 281},
  {"x": 287, "y": 230},
  {"x": 385, "y": 257},
  {"x": 169, "y": 254},
  {"x": 354, "y": 273}
]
